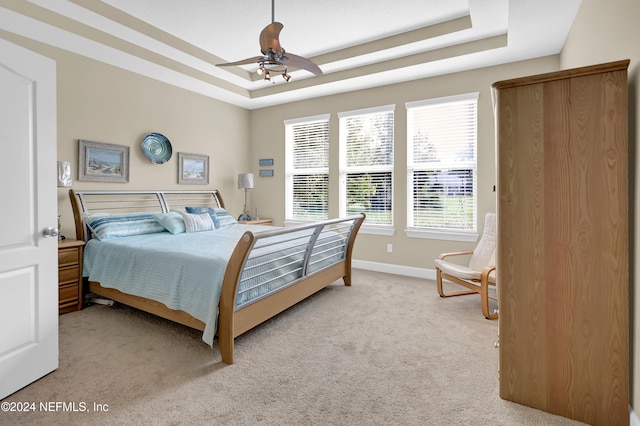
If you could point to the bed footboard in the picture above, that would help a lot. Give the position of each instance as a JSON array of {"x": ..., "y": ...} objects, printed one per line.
[
  {"x": 271, "y": 271},
  {"x": 268, "y": 272}
]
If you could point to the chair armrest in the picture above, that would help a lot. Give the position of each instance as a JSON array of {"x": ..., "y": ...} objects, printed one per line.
[
  {"x": 485, "y": 273},
  {"x": 456, "y": 253}
]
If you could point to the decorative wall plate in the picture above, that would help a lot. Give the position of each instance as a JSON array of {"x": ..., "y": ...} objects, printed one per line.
[{"x": 157, "y": 148}]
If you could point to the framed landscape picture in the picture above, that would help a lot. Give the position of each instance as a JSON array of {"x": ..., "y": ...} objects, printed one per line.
[
  {"x": 103, "y": 162},
  {"x": 193, "y": 169}
]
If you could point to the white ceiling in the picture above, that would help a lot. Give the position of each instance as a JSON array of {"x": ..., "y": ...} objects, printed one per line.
[{"x": 357, "y": 43}]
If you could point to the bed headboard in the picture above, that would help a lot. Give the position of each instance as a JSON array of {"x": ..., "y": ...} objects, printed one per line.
[{"x": 131, "y": 201}]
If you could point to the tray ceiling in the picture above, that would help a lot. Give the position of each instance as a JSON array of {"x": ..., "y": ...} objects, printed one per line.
[{"x": 357, "y": 44}]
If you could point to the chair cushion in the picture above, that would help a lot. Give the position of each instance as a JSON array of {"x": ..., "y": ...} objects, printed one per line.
[
  {"x": 485, "y": 252},
  {"x": 483, "y": 256},
  {"x": 459, "y": 271}
]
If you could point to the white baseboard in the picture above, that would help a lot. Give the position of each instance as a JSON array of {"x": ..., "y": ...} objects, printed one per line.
[
  {"x": 409, "y": 271},
  {"x": 633, "y": 418}
]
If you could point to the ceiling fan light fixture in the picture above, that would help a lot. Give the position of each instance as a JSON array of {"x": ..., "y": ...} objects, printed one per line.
[{"x": 273, "y": 54}]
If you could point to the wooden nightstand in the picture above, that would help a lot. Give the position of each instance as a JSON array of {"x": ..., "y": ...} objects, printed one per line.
[
  {"x": 70, "y": 275},
  {"x": 267, "y": 222}
]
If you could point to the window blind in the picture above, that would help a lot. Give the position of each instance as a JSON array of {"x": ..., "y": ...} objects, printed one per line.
[
  {"x": 367, "y": 164},
  {"x": 441, "y": 163},
  {"x": 307, "y": 165}
]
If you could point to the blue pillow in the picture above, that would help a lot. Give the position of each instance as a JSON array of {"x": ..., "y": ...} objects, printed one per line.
[
  {"x": 104, "y": 226},
  {"x": 205, "y": 210},
  {"x": 172, "y": 222}
]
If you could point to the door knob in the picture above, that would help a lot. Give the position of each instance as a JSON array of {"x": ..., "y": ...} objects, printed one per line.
[{"x": 50, "y": 232}]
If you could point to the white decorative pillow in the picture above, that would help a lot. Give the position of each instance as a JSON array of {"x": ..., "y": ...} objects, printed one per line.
[
  {"x": 205, "y": 210},
  {"x": 105, "y": 226},
  {"x": 197, "y": 222}
]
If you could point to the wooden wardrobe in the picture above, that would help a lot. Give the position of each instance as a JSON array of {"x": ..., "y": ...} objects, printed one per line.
[{"x": 563, "y": 242}]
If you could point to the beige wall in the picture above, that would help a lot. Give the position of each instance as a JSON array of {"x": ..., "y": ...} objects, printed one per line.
[
  {"x": 604, "y": 32},
  {"x": 267, "y": 141},
  {"x": 102, "y": 103}
]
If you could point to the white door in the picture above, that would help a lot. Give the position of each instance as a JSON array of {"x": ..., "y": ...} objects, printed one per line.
[{"x": 28, "y": 203}]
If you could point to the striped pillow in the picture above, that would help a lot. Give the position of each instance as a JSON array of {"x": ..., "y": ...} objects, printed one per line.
[
  {"x": 224, "y": 217},
  {"x": 104, "y": 226},
  {"x": 197, "y": 222},
  {"x": 205, "y": 210}
]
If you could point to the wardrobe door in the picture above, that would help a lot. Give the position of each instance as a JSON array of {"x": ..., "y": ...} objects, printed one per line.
[{"x": 563, "y": 242}]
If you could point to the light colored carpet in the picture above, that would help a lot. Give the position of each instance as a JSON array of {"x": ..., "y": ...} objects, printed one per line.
[{"x": 386, "y": 351}]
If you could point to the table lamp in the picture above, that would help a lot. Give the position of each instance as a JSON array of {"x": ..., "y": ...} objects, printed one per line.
[
  {"x": 64, "y": 181},
  {"x": 245, "y": 181}
]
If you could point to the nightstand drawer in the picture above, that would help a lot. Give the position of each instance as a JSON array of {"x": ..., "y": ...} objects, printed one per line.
[
  {"x": 69, "y": 275},
  {"x": 66, "y": 257},
  {"x": 68, "y": 293},
  {"x": 66, "y": 275}
]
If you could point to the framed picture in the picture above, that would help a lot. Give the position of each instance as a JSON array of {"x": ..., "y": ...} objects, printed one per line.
[
  {"x": 193, "y": 169},
  {"x": 266, "y": 173},
  {"x": 103, "y": 162},
  {"x": 265, "y": 162}
]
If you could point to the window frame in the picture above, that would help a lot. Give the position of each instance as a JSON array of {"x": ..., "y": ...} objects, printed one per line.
[{"x": 413, "y": 231}]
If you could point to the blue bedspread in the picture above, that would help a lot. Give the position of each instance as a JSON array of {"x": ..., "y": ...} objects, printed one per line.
[{"x": 194, "y": 263}]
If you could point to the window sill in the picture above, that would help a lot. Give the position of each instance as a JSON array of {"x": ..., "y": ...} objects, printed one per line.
[
  {"x": 386, "y": 231},
  {"x": 470, "y": 237}
]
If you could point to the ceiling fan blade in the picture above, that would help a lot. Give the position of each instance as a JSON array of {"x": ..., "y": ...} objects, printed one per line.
[
  {"x": 269, "y": 38},
  {"x": 302, "y": 63},
  {"x": 242, "y": 62},
  {"x": 274, "y": 54}
]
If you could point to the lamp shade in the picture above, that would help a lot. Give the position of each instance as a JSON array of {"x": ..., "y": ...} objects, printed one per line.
[
  {"x": 245, "y": 181},
  {"x": 64, "y": 174}
]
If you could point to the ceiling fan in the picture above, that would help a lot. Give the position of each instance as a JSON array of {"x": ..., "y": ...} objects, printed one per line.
[{"x": 273, "y": 54}]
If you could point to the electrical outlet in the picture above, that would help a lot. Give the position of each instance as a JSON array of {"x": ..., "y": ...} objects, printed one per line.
[{"x": 389, "y": 248}]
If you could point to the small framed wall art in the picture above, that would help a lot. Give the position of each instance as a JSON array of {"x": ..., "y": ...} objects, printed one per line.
[
  {"x": 193, "y": 169},
  {"x": 266, "y": 173},
  {"x": 103, "y": 162},
  {"x": 265, "y": 162}
]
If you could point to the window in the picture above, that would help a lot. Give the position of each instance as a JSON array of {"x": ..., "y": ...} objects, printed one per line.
[
  {"x": 441, "y": 164},
  {"x": 307, "y": 168},
  {"x": 366, "y": 164}
]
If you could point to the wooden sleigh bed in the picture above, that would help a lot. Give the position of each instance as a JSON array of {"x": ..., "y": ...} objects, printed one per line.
[{"x": 315, "y": 256}]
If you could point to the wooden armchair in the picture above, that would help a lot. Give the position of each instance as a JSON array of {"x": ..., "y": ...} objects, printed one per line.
[{"x": 479, "y": 275}]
